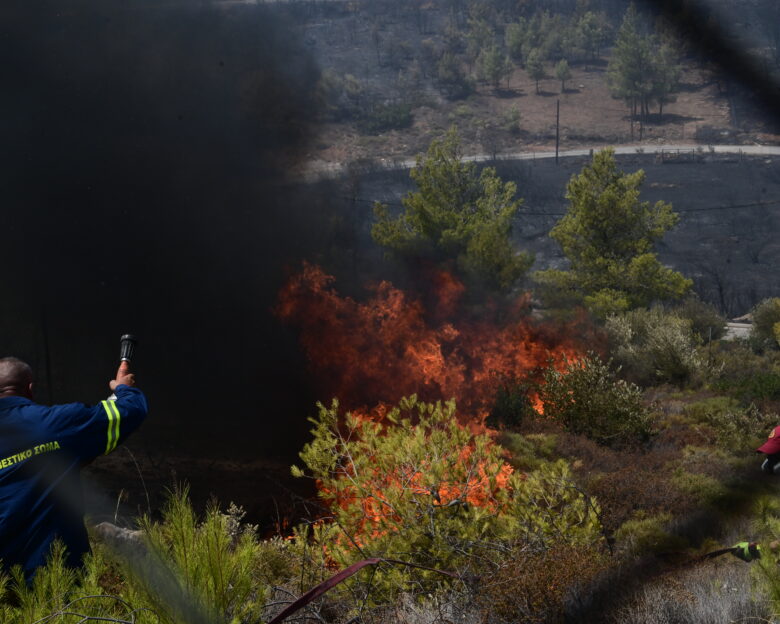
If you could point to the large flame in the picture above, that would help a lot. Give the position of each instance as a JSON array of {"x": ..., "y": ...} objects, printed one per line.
[{"x": 371, "y": 354}]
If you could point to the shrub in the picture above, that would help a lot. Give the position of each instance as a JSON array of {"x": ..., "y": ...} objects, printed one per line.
[
  {"x": 735, "y": 427},
  {"x": 215, "y": 557},
  {"x": 704, "y": 489},
  {"x": 766, "y": 315},
  {"x": 511, "y": 406},
  {"x": 653, "y": 346},
  {"x": 588, "y": 399},
  {"x": 530, "y": 451},
  {"x": 706, "y": 322},
  {"x": 537, "y": 586},
  {"x": 421, "y": 488},
  {"x": 451, "y": 79},
  {"x": 648, "y": 534},
  {"x": 512, "y": 120},
  {"x": 384, "y": 117},
  {"x": 632, "y": 488},
  {"x": 744, "y": 374},
  {"x": 182, "y": 569}
]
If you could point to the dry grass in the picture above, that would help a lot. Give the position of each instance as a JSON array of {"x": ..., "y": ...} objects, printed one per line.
[{"x": 714, "y": 593}]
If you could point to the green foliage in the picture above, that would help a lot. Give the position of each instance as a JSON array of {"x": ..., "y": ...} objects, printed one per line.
[
  {"x": 514, "y": 38},
  {"x": 493, "y": 66},
  {"x": 528, "y": 451},
  {"x": 704, "y": 489},
  {"x": 535, "y": 67},
  {"x": 642, "y": 70},
  {"x": 744, "y": 374},
  {"x": 340, "y": 97},
  {"x": 512, "y": 120},
  {"x": 563, "y": 73},
  {"x": 706, "y": 322},
  {"x": 588, "y": 399},
  {"x": 767, "y": 528},
  {"x": 387, "y": 116},
  {"x": 215, "y": 560},
  {"x": 456, "y": 214},
  {"x": 766, "y": 315},
  {"x": 593, "y": 32},
  {"x": 512, "y": 405},
  {"x": 422, "y": 489},
  {"x": 648, "y": 533},
  {"x": 735, "y": 427},
  {"x": 451, "y": 78},
  {"x": 608, "y": 236},
  {"x": 654, "y": 346},
  {"x": 215, "y": 565}
]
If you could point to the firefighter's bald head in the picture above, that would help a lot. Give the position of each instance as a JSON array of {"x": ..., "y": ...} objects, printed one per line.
[{"x": 15, "y": 377}]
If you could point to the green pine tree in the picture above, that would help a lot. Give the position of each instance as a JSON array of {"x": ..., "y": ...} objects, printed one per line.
[
  {"x": 608, "y": 236},
  {"x": 457, "y": 215}
]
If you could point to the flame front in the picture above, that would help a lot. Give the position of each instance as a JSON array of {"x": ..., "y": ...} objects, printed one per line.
[{"x": 374, "y": 353}]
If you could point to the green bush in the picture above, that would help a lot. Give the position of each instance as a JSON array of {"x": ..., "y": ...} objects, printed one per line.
[
  {"x": 383, "y": 117},
  {"x": 645, "y": 534},
  {"x": 744, "y": 374},
  {"x": 735, "y": 427},
  {"x": 182, "y": 569},
  {"x": 529, "y": 451},
  {"x": 706, "y": 322},
  {"x": 588, "y": 399},
  {"x": 511, "y": 406},
  {"x": 653, "y": 346},
  {"x": 704, "y": 489},
  {"x": 766, "y": 315},
  {"x": 423, "y": 489}
]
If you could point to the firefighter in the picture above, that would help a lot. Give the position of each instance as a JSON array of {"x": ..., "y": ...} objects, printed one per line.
[
  {"x": 42, "y": 450},
  {"x": 771, "y": 448}
]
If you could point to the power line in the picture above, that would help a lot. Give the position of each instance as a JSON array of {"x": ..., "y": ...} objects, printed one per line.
[{"x": 772, "y": 202}]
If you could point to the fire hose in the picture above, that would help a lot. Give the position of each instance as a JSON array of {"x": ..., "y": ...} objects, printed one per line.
[{"x": 328, "y": 584}]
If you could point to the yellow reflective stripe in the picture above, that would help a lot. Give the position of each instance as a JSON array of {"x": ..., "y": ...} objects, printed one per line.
[
  {"x": 114, "y": 419},
  {"x": 110, "y": 414}
]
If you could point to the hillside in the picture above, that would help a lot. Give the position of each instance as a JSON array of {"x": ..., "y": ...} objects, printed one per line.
[{"x": 384, "y": 99}]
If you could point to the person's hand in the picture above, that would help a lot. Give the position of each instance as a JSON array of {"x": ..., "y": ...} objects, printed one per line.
[{"x": 123, "y": 377}]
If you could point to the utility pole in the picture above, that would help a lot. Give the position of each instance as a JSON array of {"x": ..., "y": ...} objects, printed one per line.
[{"x": 557, "y": 128}]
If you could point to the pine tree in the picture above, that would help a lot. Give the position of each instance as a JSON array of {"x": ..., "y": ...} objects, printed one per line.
[
  {"x": 563, "y": 73},
  {"x": 608, "y": 236},
  {"x": 630, "y": 69},
  {"x": 492, "y": 66},
  {"x": 458, "y": 215},
  {"x": 535, "y": 67}
]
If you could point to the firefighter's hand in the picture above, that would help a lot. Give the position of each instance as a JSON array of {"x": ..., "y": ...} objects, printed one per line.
[
  {"x": 747, "y": 551},
  {"x": 123, "y": 377}
]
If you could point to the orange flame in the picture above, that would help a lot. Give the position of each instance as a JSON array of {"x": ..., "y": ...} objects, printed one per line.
[{"x": 390, "y": 346}]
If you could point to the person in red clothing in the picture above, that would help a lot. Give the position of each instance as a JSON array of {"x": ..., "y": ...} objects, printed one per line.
[
  {"x": 42, "y": 451},
  {"x": 771, "y": 448}
]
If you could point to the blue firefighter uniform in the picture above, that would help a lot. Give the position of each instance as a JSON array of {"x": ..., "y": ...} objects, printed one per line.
[{"x": 42, "y": 450}]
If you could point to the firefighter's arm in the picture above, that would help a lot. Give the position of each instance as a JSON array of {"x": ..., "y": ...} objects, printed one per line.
[{"x": 90, "y": 431}]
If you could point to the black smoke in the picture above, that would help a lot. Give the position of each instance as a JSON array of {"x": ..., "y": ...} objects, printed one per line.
[{"x": 145, "y": 146}]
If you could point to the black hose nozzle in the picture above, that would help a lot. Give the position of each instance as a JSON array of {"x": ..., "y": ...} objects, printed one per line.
[{"x": 127, "y": 347}]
